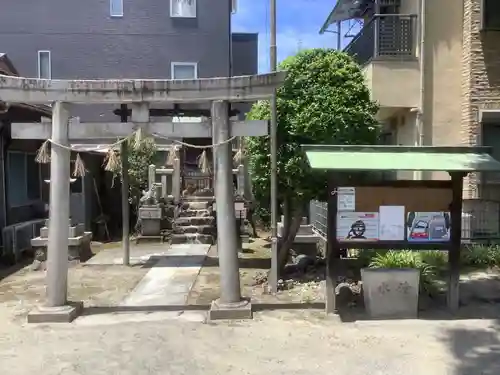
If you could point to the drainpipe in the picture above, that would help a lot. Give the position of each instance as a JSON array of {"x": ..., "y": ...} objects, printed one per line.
[{"x": 419, "y": 125}]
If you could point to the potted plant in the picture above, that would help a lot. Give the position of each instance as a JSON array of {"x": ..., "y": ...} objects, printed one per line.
[{"x": 392, "y": 282}]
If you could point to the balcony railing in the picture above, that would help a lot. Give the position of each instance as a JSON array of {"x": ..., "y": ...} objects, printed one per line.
[{"x": 385, "y": 36}]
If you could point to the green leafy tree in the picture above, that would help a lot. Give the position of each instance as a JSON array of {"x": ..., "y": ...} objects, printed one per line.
[
  {"x": 139, "y": 160},
  {"x": 324, "y": 100}
]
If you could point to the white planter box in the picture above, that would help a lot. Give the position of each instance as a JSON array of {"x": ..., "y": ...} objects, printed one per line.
[{"x": 391, "y": 293}]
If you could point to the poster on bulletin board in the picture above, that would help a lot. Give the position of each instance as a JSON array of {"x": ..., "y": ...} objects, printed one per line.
[
  {"x": 428, "y": 226},
  {"x": 392, "y": 223},
  {"x": 357, "y": 226}
]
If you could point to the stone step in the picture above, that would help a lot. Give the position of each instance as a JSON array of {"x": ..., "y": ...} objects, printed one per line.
[
  {"x": 195, "y": 220},
  {"x": 305, "y": 230},
  {"x": 191, "y": 238},
  {"x": 194, "y": 198},
  {"x": 202, "y": 229},
  {"x": 202, "y": 193},
  {"x": 196, "y": 205},
  {"x": 197, "y": 213},
  {"x": 303, "y": 222}
]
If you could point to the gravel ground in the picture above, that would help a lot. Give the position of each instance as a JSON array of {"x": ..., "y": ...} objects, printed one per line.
[
  {"x": 255, "y": 262},
  {"x": 273, "y": 343},
  {"x": 95, "y": 285}
]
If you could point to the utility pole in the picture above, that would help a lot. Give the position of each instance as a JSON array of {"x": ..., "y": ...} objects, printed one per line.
[
  {"x": 273, "y": 276},
  {"x": 339, "y": 36}
]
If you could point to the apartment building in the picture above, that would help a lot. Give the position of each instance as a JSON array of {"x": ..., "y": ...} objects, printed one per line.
[
  {"x": 91, "y": 39},
  {"x": 434, "y": 69},
  {"x": 121, "y": 39}
]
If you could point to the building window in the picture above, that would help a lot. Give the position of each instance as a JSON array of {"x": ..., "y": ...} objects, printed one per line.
[
  {"x": 183, "y": 8},
  {"x": 490, "y": 14},
  {"x": 44, "y": 65},
  {"x": 116, "y": 8},
  {"x": 23, "y": 176},
  {"x": 183, "y": 70}
]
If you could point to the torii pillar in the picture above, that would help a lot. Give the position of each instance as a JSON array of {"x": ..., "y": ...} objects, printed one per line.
[
  {"x": 57, "y": 308},
  {"x": 230, "y": 305}
]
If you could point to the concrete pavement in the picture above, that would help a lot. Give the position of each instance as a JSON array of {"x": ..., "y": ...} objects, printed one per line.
[{"x": 166, "y": 285}]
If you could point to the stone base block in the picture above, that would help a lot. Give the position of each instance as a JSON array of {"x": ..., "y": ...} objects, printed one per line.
[
  {"x": 142, "y": 238},
  {"x": 78, "y": 250},
  {"x": 245, "y": 238},
  {"x": 60, "y": 314},
  {"x": 233, "y": 311},
  {"x": 194, "y": 238}
]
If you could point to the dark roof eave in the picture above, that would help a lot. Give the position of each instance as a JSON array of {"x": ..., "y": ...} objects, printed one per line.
[{"x": 41, "y": 109}]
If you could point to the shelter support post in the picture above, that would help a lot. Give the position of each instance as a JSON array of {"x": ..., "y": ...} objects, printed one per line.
[
  {"x": 125, "y": 188},
  {"x": 455, "y": 241},
  {"x": 230, "y": 305},
  {"x": 56, "y": 308},
  {"x": 332, "y": 249}
]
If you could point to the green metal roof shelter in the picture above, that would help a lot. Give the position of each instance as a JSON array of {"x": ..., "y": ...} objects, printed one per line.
[
  {"x": 401, "y": 158},
  {"x": 457, "y": 161}
]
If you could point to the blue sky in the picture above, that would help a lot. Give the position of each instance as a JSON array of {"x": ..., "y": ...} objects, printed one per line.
[{"x": 298, "y": 24}]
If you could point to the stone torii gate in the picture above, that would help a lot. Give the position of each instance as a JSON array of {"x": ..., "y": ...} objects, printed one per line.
[{"x": 139, "y": 94}]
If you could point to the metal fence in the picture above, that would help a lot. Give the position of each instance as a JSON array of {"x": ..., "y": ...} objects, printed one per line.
[
  {"x": 480, "y": 220},
  {"x": 318, "y": 217}
]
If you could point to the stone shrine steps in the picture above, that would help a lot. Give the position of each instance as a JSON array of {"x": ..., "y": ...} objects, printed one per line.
[{"x": 195, "y": 223}]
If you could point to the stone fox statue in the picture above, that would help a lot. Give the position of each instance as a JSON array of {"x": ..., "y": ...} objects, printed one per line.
[{"x": 148, "y": 197}]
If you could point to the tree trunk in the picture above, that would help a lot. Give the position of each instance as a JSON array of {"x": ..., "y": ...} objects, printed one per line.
[{"x": 286, "y": 245}]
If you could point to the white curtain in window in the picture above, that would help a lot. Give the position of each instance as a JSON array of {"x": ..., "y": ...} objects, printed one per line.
[
  {"x": 116, "y": 7},
  {"x": 184, "y": 72},
  {"x": 44, "y": 70},
  {"x": 183, "y": 8}
]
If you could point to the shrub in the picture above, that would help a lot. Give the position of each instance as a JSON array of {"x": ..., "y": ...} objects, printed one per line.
[
  {"x": 408, "y": 259},
  {"x": 435, "y": 258},
  {"x": 366, "y": 256},
  {"x": 481, "y": 256}
]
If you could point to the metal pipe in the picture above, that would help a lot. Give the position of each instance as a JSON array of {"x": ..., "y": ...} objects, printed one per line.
[
  {"x": 419, "y": 123},
  {"x": 125, "y": 189},
  {"x": 339, "y": 36},
  {"x": 273, "y": 277}
]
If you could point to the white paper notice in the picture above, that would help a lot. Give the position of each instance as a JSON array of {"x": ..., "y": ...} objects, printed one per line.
[
  {"x": 346, "y": 199},
  {"x": 392, "y": 223},
  {"x": 357, "y": 226}
]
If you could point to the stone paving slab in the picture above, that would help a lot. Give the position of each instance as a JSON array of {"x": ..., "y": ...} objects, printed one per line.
[
  {"x": 170, "y": 279},
  {"x": 167, "y": 284},
  {"x": 139, "y": 254}
]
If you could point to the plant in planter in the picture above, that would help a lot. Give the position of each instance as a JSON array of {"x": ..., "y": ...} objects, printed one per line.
[
  {"x": 392, "y": 282},
  {"x": 406, "y": 259}
]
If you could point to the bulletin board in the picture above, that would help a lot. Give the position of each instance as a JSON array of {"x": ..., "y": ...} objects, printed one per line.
[
  {"x": 408, "y": 215},
  {"x": 369, "y": 199}
]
